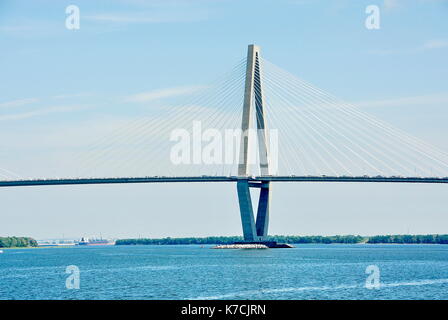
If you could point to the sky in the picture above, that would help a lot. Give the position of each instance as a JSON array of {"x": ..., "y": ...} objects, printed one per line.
[{"x": 59, "y": 86}]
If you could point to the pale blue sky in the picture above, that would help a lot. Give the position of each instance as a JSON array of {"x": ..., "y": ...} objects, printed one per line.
[{"x": 56, "y": 82}]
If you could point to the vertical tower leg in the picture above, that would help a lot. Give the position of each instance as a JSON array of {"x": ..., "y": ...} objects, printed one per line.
[
  {"x": 246, "y": 210},
  {"x": 262, "y": 222}
]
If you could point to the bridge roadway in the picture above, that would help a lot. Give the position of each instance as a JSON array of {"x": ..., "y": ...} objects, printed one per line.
[{"x": 252, "y": 179}]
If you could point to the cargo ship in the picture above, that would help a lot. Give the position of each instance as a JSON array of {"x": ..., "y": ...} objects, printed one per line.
[{"x": 95, "y": 242}]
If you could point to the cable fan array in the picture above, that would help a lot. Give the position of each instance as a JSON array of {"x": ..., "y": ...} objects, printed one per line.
[
  {"x": 316, "y": 134},
  {"x": 153, "y": 145},
  {"x": 321, "y": 135}
]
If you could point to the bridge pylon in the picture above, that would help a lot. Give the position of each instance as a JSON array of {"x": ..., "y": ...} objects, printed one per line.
[{"x": 254, "y": 230}]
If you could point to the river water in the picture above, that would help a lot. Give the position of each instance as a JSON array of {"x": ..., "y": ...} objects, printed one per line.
[{"x": 195, "y": 272}]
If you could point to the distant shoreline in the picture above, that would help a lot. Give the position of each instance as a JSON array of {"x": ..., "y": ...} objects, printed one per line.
[
  {"x": 29, "y": 243},
  {"x": 347, "y": 239}
]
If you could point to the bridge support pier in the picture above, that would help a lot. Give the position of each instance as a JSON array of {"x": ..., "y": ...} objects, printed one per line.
[{"x": 254, "y": 230}]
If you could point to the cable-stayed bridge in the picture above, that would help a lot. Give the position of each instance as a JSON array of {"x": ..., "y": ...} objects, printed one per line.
[{"x": 256, "y": 125}]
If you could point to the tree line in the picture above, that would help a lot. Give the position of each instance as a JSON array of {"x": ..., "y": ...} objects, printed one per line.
[
  {"x": 232, "y": 239},
  {"x": 415, "y": 239},
  {"x": 20, "y": 242},
  {"x": 348, "y": 239}
]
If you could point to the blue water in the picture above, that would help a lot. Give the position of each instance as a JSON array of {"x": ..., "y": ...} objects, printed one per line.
[{"x": 192, "y": 272}]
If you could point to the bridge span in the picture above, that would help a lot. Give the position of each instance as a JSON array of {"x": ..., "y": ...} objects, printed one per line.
[{"x": 251, "y": 179}]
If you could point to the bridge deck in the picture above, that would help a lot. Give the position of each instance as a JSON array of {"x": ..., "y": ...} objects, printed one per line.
[{"x": 76, "y": 181}]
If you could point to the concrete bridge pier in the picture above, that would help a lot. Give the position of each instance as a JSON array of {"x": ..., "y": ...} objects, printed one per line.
[{"x": 254, "y": 230}]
